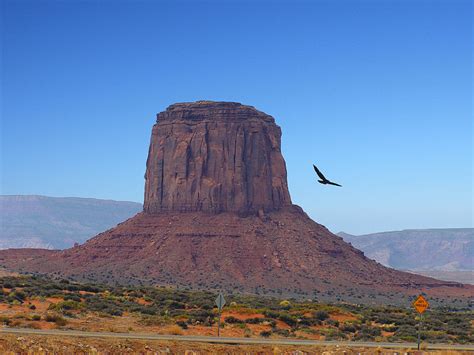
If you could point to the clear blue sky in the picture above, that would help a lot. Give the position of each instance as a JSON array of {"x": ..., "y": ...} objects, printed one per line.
[{"x": 377, "y": 93}]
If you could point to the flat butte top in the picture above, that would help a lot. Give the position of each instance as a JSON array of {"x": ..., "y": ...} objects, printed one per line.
[{"x": 211, "y": 110}]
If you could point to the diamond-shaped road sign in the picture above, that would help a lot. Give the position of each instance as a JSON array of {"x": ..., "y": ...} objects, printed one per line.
[
  {"x": 220, "y": 301},
  {"x": 421, "y": 304}
]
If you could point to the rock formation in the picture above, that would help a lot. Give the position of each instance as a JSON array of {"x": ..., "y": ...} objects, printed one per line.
[
  {"x": 218, "y": 215},
  {"x": 215, "y": 157}
]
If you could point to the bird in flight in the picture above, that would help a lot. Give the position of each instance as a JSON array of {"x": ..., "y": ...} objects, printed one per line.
[{"x": 323, "y": 180}]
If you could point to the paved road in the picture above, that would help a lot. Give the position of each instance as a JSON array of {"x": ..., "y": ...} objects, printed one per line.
[{"x": 206, "y": 339}]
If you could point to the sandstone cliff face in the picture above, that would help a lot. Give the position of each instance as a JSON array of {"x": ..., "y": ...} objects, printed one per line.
[{"x": 215, "y": 157}]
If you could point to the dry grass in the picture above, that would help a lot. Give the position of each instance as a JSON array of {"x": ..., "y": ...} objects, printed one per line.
[{"x": 174, "y": 330}]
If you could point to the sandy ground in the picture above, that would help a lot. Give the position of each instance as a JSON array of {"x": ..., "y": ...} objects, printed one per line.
[{"x": 12, "y": 344}]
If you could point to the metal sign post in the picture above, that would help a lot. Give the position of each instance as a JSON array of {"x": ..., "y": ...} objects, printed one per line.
[
  {"x": 421, "y": 305},
  {"x": 419, "y": 330},
  {"x": 220, "y": 302}
]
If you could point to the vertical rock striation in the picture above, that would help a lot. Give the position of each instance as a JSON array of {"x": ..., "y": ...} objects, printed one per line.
[{"x": 215, "y": 157}]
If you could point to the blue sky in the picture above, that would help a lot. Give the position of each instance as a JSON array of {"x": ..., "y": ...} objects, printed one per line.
[{"x": 377, "y": 93}]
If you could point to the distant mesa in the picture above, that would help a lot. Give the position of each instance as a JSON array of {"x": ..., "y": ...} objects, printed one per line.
[
  {"x": 445, "y": 253},
  {"x": 218, "y": 216},
  {"x": 33, "y": 221}
]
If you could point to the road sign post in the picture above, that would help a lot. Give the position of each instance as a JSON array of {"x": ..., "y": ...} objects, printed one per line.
[
  {"x": 220, "y": 302},
  {"x": 421, "y": 305},
  {"x": 419, "y": 330}
]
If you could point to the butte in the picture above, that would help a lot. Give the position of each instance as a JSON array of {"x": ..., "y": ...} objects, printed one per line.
[{"x": 218, "y": 216}]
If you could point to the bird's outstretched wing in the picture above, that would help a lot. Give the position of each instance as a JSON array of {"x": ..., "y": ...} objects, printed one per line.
[
  {"x": 333, "y": 183},
  {"x": 320, "y": 174}
]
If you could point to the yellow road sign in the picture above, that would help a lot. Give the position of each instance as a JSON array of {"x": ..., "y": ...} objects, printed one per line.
[{"x": 421, "y": 304}]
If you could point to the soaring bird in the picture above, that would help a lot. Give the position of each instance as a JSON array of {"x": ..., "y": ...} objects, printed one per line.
[{"x": 323, "y": 180}]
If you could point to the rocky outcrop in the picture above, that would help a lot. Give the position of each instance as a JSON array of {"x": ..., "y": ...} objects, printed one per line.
[{"x": 215, "y": 157}]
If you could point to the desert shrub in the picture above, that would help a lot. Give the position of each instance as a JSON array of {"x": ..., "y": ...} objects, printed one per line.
[
  {"x": 98, "y": 304},
  {"x": 151, "y": 321},
  {"x": 72, "y": 297},
  {"x": 233, "y": 320},
  {"x": 36, "y": 317},
  {"x": 73, "y": 288},
  {"x": 138, "y": 308},
  {"x": 367, "y": 333},
  {"x": 255, "y": 320},
  {"x": 436, "y": 336},
  {"x": 182, "y": 324},
  {"x": 65, "y": 305},
  {"x": 391, "y": 328},
  {"x": 282, "y": 332},
  {"x": 348, "y": 327},
  {"x": 268, "y": 321},
  {"x": 321, "y": 315},
  {"x": 265, "y": 333},
  {"x": 115, "y": 312},
  {"x": 305, "y": 321},
  {"x": 201, "y": 316},
  {"x": 458, "y": 327},
  {"x": 55, "y": 318},
  {"x": 149, "y": 310},
  {"x": 286, "y": 318},
  {"x": 332, "y": 322},
  {"x": 19, "y": 296},
  {"x": 333, "y": 334},
  {"x": 91, "y": 288},
  {"x": 271, "y": 314},
  {"x": 171, "y": 304},
  {"x": 177, "y": 312}
]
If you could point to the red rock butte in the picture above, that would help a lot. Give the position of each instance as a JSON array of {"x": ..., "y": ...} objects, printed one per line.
[
  {"x": 215, "y": 157},
  {"x": 218, "y": 216}
]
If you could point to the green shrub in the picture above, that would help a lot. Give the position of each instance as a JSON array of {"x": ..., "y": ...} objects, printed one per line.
[
  {"x": 367, "y": 333},
  {"x": 233, "y": 320},
  {"x": 287, "y": 319},
  {"x": 321, "y": 315},
  {"x": 72, "y": 297},
  {"x": 348, "y": 327},
  {"x": 255, "y": 320},
  {"x": 36, "y": 317},
  {"x": 271, "y": 314},
  {"x": 305, "y": 321}
]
